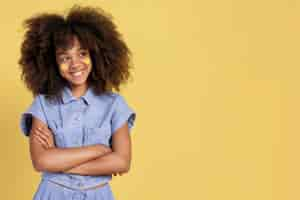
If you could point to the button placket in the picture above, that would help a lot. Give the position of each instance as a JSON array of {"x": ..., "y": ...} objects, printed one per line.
[
  {"x": 78, "y": 112},
  {"x": 78, "y": 195},
  {"x": 77, "y": 118}
]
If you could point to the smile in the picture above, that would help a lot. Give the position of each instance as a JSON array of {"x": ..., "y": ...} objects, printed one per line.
[{"x": 76, "y": 74}]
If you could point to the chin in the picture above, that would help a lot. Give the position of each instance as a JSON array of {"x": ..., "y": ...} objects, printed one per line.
[{"x": 78, "y": 83}]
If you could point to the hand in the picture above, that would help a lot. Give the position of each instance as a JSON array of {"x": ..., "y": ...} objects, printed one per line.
[
  {"x": 107, "y": 149},
  {"x": 44, "y": 136}
]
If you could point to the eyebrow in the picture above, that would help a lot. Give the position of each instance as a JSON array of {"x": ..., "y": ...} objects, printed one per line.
[{"x": 61, "y": 51}]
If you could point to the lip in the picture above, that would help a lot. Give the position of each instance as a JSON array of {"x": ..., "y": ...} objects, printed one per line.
[{"x": 77, "y": 73}]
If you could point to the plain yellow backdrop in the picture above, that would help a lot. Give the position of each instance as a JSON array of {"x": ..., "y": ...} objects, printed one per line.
[{"x": 215, "y": 88}]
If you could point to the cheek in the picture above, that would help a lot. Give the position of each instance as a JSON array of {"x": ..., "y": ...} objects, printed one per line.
[
  {"x": 87, "y": 61},
  {"x": 63, "y": 67}
]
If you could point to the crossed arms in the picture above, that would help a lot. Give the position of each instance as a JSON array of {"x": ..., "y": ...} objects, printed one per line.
[{"x": 88, "y": 160}]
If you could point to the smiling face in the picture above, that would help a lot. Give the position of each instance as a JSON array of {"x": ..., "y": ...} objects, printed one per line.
[{"x": 74, "y": 64}]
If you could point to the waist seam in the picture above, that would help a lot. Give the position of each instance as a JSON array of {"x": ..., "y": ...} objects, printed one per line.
[{"x": 77, "y": 188}]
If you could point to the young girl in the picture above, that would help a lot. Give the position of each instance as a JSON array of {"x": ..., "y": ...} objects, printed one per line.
[{"x": 77, "y": 126}]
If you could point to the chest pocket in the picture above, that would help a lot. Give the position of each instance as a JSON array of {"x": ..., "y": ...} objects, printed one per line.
[
  {"x": 68, "y": 137},
  {"x": 97, "y": 135},
  {"x": 57, "y": 135},
  {"x": 59, "y": 140}
]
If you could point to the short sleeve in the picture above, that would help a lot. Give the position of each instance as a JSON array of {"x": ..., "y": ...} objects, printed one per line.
[
  {"x": 36, "y": 110},
  {"x": 122, "y": 113}
]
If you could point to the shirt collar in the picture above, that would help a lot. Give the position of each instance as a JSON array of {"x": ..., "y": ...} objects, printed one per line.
[{"x": 68, "y": 97}]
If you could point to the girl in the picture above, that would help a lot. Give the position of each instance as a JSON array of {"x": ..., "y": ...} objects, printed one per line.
[{"x": 78, "y": 127}]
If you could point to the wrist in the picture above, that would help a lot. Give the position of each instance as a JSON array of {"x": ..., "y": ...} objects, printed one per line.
[
  {"x": 51, "y": 148},
  {"x": 72, "y": 170}
]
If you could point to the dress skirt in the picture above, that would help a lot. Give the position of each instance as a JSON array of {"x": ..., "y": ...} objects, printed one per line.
[{"x": 50, "y": 191}]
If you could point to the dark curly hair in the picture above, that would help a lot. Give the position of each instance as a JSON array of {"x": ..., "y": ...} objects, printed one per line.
[{"x": 96, "y": 32}]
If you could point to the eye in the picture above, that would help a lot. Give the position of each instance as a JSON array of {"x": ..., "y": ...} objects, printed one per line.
[
  {"x": 83, "y": 53},
  {"x": 64, "y": 59}
]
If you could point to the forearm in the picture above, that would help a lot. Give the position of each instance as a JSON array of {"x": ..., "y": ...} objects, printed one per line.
[
  {"x": 108, "y": 164},
  {"x": 61, "y": 159}
]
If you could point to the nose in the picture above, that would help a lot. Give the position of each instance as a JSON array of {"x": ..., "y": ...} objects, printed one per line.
[{"x": 75, "y": 62}]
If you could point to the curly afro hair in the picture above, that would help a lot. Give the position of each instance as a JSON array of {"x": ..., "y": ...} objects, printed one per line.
[{"x": 96, "y": 32}]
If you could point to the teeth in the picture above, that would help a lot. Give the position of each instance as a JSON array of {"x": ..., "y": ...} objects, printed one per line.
[{"x": 77, "y": 73}]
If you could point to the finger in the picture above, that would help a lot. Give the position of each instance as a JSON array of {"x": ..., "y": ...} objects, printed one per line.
[
  {"x": 45, "y": 131},
  {"x": 43, "y": 137},
  {"x": 108, "y": 150},
  {"x": 42, "y": 134},
  {"x": 48, "y": 135},
  {"x": 41, "y": 141},
  {"x": 35, "y": 131}
]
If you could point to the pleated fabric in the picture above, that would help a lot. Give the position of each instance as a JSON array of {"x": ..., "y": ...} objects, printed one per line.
[{"x": 51, "y": 191}]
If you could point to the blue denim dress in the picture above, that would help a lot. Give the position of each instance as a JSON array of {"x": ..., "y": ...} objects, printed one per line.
[{"x": 88, "y": 120}]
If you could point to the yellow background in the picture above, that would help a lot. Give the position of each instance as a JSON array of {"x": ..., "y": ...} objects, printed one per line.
[{"x": 215, "y": 88}]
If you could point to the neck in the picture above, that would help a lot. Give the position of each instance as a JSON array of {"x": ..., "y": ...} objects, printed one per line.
[{"x": 79, "y": 90}]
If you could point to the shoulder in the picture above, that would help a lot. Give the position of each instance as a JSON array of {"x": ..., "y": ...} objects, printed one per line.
[
  {"x": 110, "y": 97},
  {"x": 45, "y": 102}
]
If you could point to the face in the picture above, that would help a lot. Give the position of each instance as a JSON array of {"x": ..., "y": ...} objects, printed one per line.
[{"x": 74, "y": 64}]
